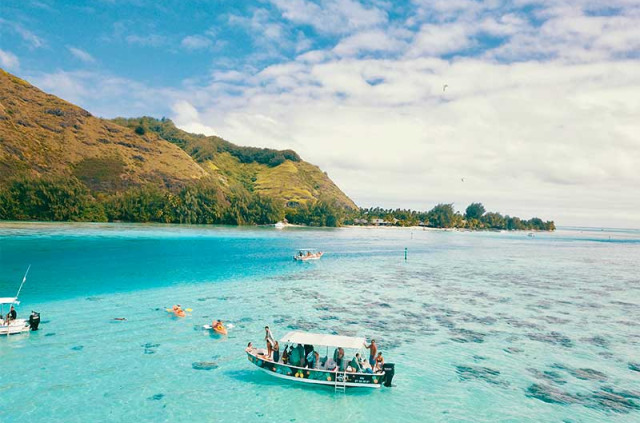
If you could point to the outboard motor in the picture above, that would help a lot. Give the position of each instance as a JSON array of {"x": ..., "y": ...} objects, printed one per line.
[
  {"x": 389, "y": 371},
  {"x": 34, "y": 320}
]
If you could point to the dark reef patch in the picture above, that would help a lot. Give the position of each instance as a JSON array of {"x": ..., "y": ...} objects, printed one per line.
[
  {"x": 548, "y": 375},
  {"x": 77, "y": 348},
  {"x": 554, "y": 338},
  {"x": 608, "y": 399},
  {"x": 598, "y": 341},
  {"x": 466, "y": 335},
  {"x": 466, "y": 373},
  {"x": 156, "y": 397},
  {"x": 204, "y": 365},
  {"x": 150, "y": 348},
  {"x": 550, "y": 395}
]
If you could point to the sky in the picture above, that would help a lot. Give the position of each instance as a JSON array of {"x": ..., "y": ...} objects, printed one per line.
[{"x": 531, "y": 107}]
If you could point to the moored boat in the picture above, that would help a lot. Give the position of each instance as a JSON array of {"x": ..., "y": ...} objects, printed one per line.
[
  {"x": 11, "y": 325},
  {"x": 305, "y": 254},
  {"x": 321, "y": 373},
  {"x": 14, "y": 326}
]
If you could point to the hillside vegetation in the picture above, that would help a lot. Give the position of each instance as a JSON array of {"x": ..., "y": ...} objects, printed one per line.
[
  {"x": 278, "y": 174},
  {"x": 58, "y": 162}
]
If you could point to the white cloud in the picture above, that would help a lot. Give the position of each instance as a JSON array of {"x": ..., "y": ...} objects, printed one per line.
[
  {"x": 81, "y": 54},
  {"x": 369, "y": 41},
  {"x": 28, "y": 36},
  {"x": 150, "y": 40},
  {"x": 9, "y": 60},
  {"x": 187, "y": 117},
  {"x": 196, "y": 42},
  {"x": 333, "y": 16},
  {"x": 435, "y": 40}
]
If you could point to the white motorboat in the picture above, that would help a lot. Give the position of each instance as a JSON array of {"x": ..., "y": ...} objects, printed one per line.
[
  {"x": 280, "y": 225},
  {"x": 337, "y": 372},
  {"x": 14, "y": 326},
  {"x": 305, "y": 254}
]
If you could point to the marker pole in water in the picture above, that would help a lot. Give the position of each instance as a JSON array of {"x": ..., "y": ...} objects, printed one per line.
[{"x": 405, "y": 253}]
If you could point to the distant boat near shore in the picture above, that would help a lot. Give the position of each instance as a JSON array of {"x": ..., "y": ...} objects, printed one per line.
[
  {"x": 306, "y": 254},
  {"x": 280, "y": 225}
]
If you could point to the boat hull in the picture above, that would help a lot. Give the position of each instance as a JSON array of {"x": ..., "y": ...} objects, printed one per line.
[
  {"x": 15, "y": 327},
  {"x": 307, "y": 258},
  {"x": 316, "y": 377}
]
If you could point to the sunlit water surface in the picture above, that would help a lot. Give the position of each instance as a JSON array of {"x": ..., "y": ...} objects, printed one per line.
[{"x": 482, "y": 327}]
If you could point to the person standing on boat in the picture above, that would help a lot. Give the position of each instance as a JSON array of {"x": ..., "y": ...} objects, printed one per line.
[
  {"x": 270, "y": 341},
  {"x": 373, "y": 349},
  {"x": 276, "y": 352}
]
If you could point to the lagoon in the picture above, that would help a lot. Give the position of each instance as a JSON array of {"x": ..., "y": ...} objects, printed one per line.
[{"x": 482, "y": 326}]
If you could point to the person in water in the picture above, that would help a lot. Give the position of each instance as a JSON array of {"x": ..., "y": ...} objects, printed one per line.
[
  {"x": 373, "y": 349},
  {"x": 11, "y": 315}
]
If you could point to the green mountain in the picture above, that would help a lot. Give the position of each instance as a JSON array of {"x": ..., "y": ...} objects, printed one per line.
[
  {"x": 279, "y": 174},
  {"x": 53, "y": 153}
]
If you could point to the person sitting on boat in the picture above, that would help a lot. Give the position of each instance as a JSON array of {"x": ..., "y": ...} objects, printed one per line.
[
  {"x": 312, "y": 359},
  {"x": 217, "y": 325},
  {"x": 285, "y": 355},
  {"x": 249, "y": 347},
  {"x": 379, "y": 362},
  {"x": 373, "y": 349},
  {"x": 355, "y": 363},
  {"x": 365, "y": 366},
  {"x": 12, "y": 315},
  {"x": 330, "y": 364},
  {"x": 300, "y": 351}
]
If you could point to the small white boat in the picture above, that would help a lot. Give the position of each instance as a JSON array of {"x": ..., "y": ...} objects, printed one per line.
[
  {"x": 280, "y": 225},
  {"x": 305, "y": 254},
  {"x": 342, "y": 376},
  {"x": 15, "y": 326}
]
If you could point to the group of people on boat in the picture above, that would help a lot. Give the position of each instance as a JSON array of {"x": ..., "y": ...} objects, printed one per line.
[{"x": 304, "y": 355}]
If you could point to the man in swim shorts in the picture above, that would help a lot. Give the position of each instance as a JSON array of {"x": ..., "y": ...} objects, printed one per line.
[{"x": 373, "y": 349}]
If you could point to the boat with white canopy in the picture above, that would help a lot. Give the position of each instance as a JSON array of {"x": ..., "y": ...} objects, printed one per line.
[
  {"x": 15, "y": 326},
  {"x": 305, "y": 254},
  {"x": 341, "y": 371}
]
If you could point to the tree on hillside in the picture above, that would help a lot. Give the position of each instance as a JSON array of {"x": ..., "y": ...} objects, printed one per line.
[{"x": 474, "y": 211}]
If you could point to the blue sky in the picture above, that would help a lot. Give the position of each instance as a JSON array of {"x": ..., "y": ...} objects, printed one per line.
[{"x": 539, "y": 115}]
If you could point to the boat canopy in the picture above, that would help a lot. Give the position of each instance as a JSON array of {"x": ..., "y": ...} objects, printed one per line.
[
  {"x": 323, "y": 340},
  {"x": 9, "y": 300}
]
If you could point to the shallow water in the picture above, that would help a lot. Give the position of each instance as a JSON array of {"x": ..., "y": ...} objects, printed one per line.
[{"x": 481, "y": 326}]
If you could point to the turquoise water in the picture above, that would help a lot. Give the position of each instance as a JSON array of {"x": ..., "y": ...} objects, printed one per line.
[{"x": 482, "y": 326}]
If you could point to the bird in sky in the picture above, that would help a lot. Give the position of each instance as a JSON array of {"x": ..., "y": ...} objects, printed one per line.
[{"x": 444, "y": 87}]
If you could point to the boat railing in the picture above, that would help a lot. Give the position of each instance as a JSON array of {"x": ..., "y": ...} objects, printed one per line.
[{"x": 254, "y": 353}]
